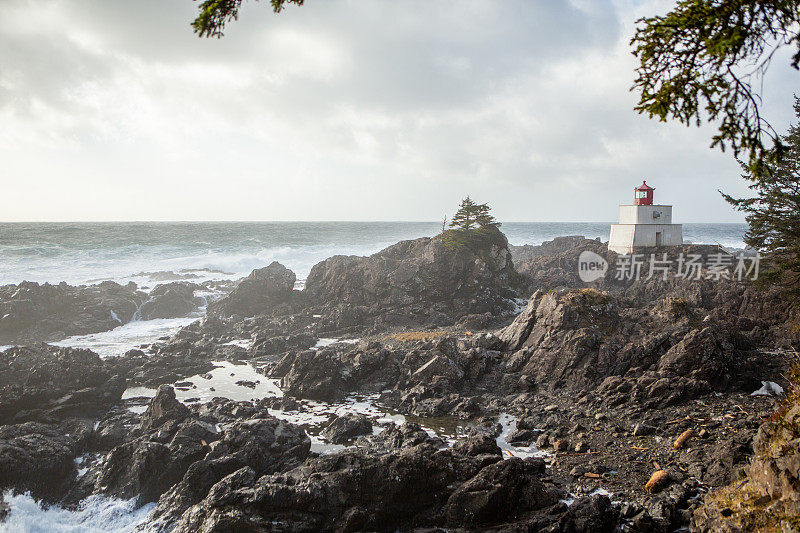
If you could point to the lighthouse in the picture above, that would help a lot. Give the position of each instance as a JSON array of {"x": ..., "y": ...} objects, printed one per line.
[{"x": 644, "y": 224}]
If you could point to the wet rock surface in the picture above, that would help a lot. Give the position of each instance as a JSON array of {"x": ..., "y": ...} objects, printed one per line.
[
  {"x": 345, "y": 428},
  {"x": 171, "y": 300},
  {"x": 48, "y": 383},
  {"x": 30, "y": 312}
]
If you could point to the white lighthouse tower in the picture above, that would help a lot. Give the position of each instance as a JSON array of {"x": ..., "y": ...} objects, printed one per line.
[{"x": 644, "y": 225}]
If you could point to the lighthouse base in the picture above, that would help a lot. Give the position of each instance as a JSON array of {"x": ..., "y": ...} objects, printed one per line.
[{"x": 626, "y": 238}]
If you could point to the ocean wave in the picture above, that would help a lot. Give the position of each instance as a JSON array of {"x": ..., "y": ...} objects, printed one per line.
[
  {"x": 96, "y": 514},
  {"x": 80, "y": 254}
]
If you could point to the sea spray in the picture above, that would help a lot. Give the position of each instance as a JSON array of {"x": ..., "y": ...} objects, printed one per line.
[{"x": 96, "y": 514}]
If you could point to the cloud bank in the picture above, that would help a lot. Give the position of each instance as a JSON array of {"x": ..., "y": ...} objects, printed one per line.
[{"x": 342, "y": 110}]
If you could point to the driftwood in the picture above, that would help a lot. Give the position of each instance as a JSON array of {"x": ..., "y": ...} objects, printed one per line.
[
  {"x": 685, "y": 436},
  {"x": 657, "y": 481}
]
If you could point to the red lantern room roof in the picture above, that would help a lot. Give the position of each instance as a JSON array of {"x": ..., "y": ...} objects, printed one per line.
[{"x": 644, "y": 187}]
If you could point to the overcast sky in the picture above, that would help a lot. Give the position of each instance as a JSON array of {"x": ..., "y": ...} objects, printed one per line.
[{"x": 343, "y": 110}]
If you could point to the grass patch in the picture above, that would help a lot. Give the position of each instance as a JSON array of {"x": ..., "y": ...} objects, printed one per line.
[
  {"x": 422, "y": 335},
  {"x": 588, "y": 297}
]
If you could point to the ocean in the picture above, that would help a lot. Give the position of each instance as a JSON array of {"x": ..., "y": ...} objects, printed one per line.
[{"x": 81, "y": 253}]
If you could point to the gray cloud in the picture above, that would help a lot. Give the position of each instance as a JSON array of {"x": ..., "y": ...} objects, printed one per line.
[{"x": 112, "y": 109}]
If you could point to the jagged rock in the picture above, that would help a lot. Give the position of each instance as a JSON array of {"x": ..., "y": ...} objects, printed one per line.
[
  {"x": 345, "y": 428},
  {"x": 256, "y": 446},
  {"x": 516, "y": 333},
  {"x": 47, "y": 383},
  {"x": 358, "y": 490},
  {"x": 115, "y": 428},
  {"x": 316, "y": 375},
  {"x": 40, "y": 458},
  {"x": 163, "y": 408},
  {"x": 396, "y": 437},
  {"x": 170, "y": 300},
  {"x": 456, "y": 280},
  {"x": 501, "y": 492},
  {"x": 172, "y": 438},
  {"x": 590, "y": 514},
  {"x": 258, "y": 293},
  {"x": 706, "y": 355},
  {"x": 477, "y": 444},
  {"x": 30, "y": 312}
]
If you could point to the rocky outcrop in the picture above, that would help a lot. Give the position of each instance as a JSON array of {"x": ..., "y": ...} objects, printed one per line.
[
  {"x": 346, "y": 428},
  {"x": 30, "y": 312},
  {"x": 410, "y": 486},
  {"x": 175, "y": 454},
  {"x": 585, "y": 338},
  {"x": 501, "y": 492},
  {"x": 261, "y": 291},
  {"x": 420, "y": 278},
  {"x": 40, "y": 458},
  {"x": 48, "y": 383},
  {"x": 171, "y": 300},
  {"x": 766, "y": 497}
]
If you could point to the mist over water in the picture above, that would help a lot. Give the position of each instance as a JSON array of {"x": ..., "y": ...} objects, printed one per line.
[{"x": 81, "y": 253}]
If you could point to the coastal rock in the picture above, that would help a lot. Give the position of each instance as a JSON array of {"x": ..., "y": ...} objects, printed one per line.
[
  {"x": 456, "y": 280},
  {"x": 414, "y": 485},
  {"x": 258, "y": 293},
  {"x": 585, "y": 339},
  {"x": 345, "y": 428},
  {"x": 163, "y": 408},
  {"x": 478, "y": 444},
  {"x": 40, "y": 458},
  {"x": 501, "y": 492},
  {"x": 30, "y": 312},
  {"x": 176, "y": 454},
  {"x": 171, "y": 300},
  {"x": 48, "y": 383},
  {"x": 258, "y": 446},
  {"x": 316, "y": 375}
]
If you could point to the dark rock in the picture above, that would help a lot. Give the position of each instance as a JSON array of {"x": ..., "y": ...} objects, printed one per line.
[
  {"x": 501, "y": 492},
  {"x": 258, "y": 293},
  {"x": 477, "y": 444},
  {"x": 345, "y": 428},
  {"x": 30, "y": 312},
  {"x": 316, "y": 375},
  {"x": 47, "y": 383},
  {"x": 520, "y": 436},
  {"x": 170, "y": 300},
  {"x": 164, "y": 407},
  {"x": 445, "y": 278},
  {"x": 590, "y": 514},
  {"x": 40, "y": 458},
  {"x": 362, "y": 491}
]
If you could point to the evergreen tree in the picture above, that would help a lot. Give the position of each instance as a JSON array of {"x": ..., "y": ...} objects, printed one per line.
[
  {"x": 483, "y": 218},
  {"x": 466, "y": 216},
  {"x": 707, "y": 59},
  {"x": 471, "y": 215},
  {"x": 774, "y": 213}
]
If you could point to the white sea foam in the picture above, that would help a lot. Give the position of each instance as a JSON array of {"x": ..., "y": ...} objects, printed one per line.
[
  {"x": 97, "y": 514},
  {"x": 119, "y": 340},
  {"x": 82, "y": 253}
]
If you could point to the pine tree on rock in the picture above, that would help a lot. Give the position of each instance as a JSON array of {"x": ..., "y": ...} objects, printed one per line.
[
  {"x": 466, "y": 216},
  {"x": 471, "y": 215},
  {"x": 774, "y": 214}
]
